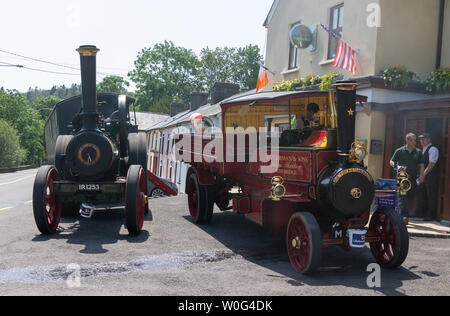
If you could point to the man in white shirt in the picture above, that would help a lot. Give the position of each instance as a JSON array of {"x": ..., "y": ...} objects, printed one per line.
[{"x": 427, "y": 199}]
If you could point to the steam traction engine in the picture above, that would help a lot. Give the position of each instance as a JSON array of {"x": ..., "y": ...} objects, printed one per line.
[
  {"x": 100, "y": 158},
  {"x": 321, "y": 193}
]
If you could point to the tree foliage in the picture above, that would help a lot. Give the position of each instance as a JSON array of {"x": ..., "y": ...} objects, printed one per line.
[
  {"x": 237, "y": 65},
  {"x": 45, "y": 105},
  {"x": 61, "y": 92},
  {"x": 113, "y": 84},
  {"x": 165, "y": 71},
  {"x": 28, "y": 123},
  {"x": 11, "y": 154}
]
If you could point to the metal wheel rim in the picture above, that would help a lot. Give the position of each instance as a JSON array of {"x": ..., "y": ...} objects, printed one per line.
[
  {"x": 386, "y": 249},
  {"x": 157, "y": 193},
  {"x": 193, "y": 197},
  {"x": 141, "y": 199},
  {"x": 300, "y": 258},
  {"x": 52, "y": 208}
]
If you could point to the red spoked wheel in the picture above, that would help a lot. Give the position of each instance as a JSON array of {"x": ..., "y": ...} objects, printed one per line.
[
  {"x": 200, "y": 200},
  {"x": 393, "y": 247},
  {"x": 46, "y": 209},
  {"x": 304, "y": 242},
  {"x": 135, "y": 199},
  {"x": 196, "y": 200}
]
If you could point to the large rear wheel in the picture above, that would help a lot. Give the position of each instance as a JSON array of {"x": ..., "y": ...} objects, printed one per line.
[
  {"x": 137, "y": 150},
  {"x": 135, "y": 200},
  {"x": 46, "y": 208}
]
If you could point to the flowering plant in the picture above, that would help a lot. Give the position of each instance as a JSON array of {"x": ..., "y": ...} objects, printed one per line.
[
  {"x": 398, "y": 77},
  {"x": 438, "y": 80},
  {"x": 325, "y": 82},
  {"x": 329, "y": 79}
]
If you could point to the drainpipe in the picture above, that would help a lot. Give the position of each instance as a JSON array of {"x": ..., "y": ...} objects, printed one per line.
[{"x": 440, "y": 33}]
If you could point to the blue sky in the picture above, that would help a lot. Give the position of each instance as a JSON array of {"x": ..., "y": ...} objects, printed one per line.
[{"x": 51, "y": 30}]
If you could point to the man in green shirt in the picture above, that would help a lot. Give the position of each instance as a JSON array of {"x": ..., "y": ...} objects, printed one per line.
[{"x": 410, "y": 159}]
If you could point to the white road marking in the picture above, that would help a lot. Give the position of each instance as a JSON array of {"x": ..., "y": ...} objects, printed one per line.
[
  {"x": 17, "y": 180},
  {"x": 16, "y": 205}
]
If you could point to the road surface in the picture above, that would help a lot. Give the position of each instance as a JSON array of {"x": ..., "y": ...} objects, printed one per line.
[{"x": 173, "y": 256}]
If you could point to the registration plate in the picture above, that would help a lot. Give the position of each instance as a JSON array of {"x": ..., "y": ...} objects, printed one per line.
[{"x": 89, "y": 187}]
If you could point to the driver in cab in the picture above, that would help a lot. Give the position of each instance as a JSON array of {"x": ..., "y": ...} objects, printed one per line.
[
  {"x": 309, "y": 121},
  {"x": 304, "y": 128}
]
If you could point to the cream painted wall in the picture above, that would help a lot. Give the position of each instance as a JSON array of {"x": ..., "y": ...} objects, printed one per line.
[
  {"x": 408, "y": 35},
  {"x": 310, "y": 13},
  {"x": 370, "y": 128},
  {"x": 445, "y": 61}
]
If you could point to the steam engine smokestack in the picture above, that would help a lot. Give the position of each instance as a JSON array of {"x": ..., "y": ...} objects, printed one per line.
[
  {"x": 88, "y": 59},
  {"x": 90, "y": 154},
  {"x": 346, "y": 112}
]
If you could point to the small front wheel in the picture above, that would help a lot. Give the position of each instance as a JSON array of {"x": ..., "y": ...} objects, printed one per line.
[
  {"x": 135, "y": 200},
  {"x": 46, "y": 209},
  {"x": 304, "y": 242}
]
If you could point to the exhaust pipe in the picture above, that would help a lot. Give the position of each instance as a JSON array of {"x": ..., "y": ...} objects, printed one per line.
[
  {"x": 89, "y": 113},
  {"x": 346, "y": 117}
]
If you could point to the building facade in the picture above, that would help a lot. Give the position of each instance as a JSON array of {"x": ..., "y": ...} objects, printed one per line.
[
  {"x": 161, "y": 144},
  {"x": 414, "y": 34}
]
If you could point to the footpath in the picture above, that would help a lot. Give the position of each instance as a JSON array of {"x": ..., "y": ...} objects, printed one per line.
[{"x": 419, "y": 228}]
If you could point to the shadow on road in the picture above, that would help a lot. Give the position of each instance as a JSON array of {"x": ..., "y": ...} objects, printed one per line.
[
  {"x": 102, "y": 229},
  {"x": 339, "y": 267}
]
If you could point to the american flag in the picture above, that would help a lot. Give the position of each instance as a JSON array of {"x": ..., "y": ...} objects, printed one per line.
[{"x": 345, "y": 55}]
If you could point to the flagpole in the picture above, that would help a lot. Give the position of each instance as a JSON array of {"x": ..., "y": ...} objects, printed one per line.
[
  {"x": 340, "y": 41},
  {"x": 260, "y": 64}
]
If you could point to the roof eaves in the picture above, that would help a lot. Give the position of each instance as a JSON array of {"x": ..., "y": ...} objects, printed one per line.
[{"x": 271, "y": 12}]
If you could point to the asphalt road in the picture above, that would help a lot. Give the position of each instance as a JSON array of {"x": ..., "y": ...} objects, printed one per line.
[{"x": 173, "y": 256}]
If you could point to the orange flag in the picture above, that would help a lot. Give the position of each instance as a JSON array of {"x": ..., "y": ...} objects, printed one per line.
[{"x": 262, "y": 79}]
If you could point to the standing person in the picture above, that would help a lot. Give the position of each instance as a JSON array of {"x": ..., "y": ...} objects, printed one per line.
[
  {"x": 409, "y": 159},
  {"x": 427, "y": 197}
]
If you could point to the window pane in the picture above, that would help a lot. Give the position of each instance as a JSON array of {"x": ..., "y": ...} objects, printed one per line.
[
  {"x": 293, "y": 58},
  {"x": 341, "y": 16},
  {"x": 335, "y": 18},
  {"x": 332, "y": 48}
]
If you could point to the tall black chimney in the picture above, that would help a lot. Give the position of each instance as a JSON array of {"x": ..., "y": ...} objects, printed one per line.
[
  {"x": 223, "y": 90},
  {"x": 88, "y": 60},
  {"x": 198, "y": 99},
  {"x": 346, "y": 115},
  {"x": 176, "y": 107}
]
